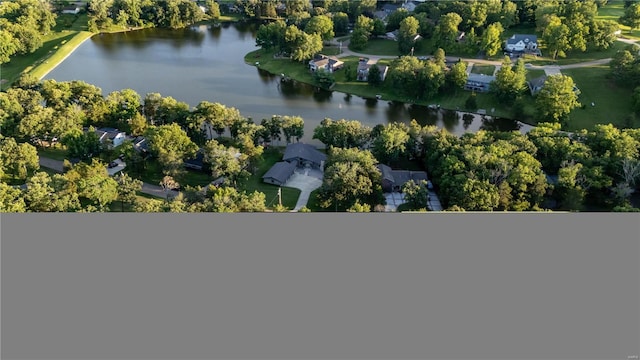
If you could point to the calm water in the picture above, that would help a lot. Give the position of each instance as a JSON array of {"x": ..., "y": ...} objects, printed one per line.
[{"x": 207, "y": 63}]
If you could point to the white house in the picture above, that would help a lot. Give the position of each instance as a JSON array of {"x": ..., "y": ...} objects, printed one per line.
[
  {"x": 326, "y": 63},
  {"x": 71, "y": 10},
  {"x": 522, "y": 43},
  {"x": 115, "y": 136}
]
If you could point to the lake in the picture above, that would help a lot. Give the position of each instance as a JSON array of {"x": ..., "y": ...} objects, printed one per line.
[{"x": 207, "y": 63}]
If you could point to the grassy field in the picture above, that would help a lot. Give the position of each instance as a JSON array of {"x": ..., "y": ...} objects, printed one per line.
[
  {"x": 483, "y": 69},
  {"x": 69, "y": 32},
  {"x": 612, "y": 102},
  {"x": 56, "y": 153},
  {"x": 254, "y": 183},
  {"x": 612, "y": 11}
]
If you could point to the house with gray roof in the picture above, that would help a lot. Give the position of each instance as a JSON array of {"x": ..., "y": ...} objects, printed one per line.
[
  {"x": 393, "y": 180},
  {"x": 478, "y": 82},
  {"x": 304, "y": 155},
  {"x": 279, "y": 173},
  {"x": 522, "y": 43},
  {"x": 363, "y": 70},
  {"x": 535, "y": 85}
]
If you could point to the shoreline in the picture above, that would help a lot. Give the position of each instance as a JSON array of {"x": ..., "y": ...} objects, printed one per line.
[
  {"x": 384, "y": 97},
  {"x": 87, "y": 35}
]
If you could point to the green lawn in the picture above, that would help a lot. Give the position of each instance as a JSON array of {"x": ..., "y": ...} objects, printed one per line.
[
  {"x": 379, "y": 47},
  {"x": 69, "y": 32},
  {"x": 612, "y": 102},
  {"x": 293, "y": 69},
  {"x": 117, "y": 206},
  {"x": 254, "y": 183},
  {"x": 483, "y": 69},
  {"x": 612, "y": 11},
  {"x": 56, "y": 153},
  {"x": 152, "y": 174}
]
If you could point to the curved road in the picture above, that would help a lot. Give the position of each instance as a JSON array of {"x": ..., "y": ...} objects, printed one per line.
[{"x": 375, "y": 58}]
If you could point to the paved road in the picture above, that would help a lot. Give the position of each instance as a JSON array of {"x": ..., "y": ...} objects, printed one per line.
[{"x": 149, "y": 189}]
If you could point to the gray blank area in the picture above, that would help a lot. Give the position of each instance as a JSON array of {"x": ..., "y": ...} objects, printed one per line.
[{"x": 320, "y": 286}]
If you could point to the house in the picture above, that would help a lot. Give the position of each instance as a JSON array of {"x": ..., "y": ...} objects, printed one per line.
[
  {"x": 522, "y": 43},
  {"x": 410, "y": 6},
  {"x": 393, "y": 35},
  {"x": 196, "y": 163},
  {"x": 393, "y": 180},
  {"x": 71, "y": 10},
  {"x": 390, "y": 8},
  {"x": 382, "y": 15},
  {"x": 279, "y": 173},
  {"x": 110, "y": 136},
  {"x": 478, "y": 82},
  {"x": 326, "y": 63},
  {"x": 304, "y": 155},
  {"x": 535, "y": 85},
  {"x": 363, "y": 70},
  {"x": 141, "y": 145}
]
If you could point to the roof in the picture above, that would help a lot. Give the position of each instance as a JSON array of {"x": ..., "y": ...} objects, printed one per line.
[
  {"x": 522, "y": 37},
  {"x": 305, "y": 152},
  {"x": 390, "y": 7},
  {"x": 538, "y": 82},
  {"x": 197, "y": 162},
  {"x": 280, "y": 171},
  {"x": 109, "y": 133},
  {"x": 400, "y": 177},
  {"x": 480, "y": 78}
]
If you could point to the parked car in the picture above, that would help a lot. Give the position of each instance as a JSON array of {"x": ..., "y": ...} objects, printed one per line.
[{"x": 112, "y": 164}]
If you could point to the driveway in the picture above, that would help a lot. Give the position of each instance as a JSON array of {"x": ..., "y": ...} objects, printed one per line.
[
  {"x": 121, "y": 165},
  {"x": 394, "y": 200},
  {"x": 306, "y": 180}
]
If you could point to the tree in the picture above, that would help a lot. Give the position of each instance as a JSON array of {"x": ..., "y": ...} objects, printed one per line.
[
  {"x": 457, "y": 75},
  {"x": 127, "y": 188},
  {"x": 430, "y": 80},
  {"x": 510, "y": 81},
  {"x": 271, "y": 36},
  {"x": 213, "y": 9},
  {"x": 342, "y": 133},
  {"x": 324, "y": 78},
  {"x": 82, "y": 145},
  {"x": 395, "y": 18},
  {"x": 602, "y": 34},
  {"x": 292, "y": 127},
  {"x": 407, "y": 34},
  {"x": 361, "y": 32},
  {"x": 11, "y": 199},
  {"x": 446, "y": 31},
  {"x": 321, "y": 25},
  {"x": 359, "y": 208},
  {"x": 17, "y": 161},
  {"x": 350, "y": 176},
  {"x": 93, "y": 183},
  {"x": 556, "y": 37},
  {"x": 340, "y": 23},
  {"x": 303, "y": 46},
  {"x": 557, "y": 98},
  {"x": 171, "y": 145},
  {"x": 45, "y": 194},
  {"x": 631, "y": 16},
  {"x": 379, "y": 28},
  {"x": 491, "y": 41},
  {"x": 168, "y": 184},
  {"x": 374, "y": 76},
  {"x": 416, "y": 194},
  {"x": 8, "y": 46},
  {"x": 391, "y": 143},
  {"x": 222, "y": 161}
]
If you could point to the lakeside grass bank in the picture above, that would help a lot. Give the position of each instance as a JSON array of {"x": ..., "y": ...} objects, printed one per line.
[{"x": 453, "y": 101}]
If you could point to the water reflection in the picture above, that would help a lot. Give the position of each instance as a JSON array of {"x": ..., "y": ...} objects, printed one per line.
[
  {"x": 207, "y": 62},
  {"x": 490, "y": 123}
]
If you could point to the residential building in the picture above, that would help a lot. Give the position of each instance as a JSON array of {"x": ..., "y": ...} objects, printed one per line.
[
  {"x": 363, "y": 70},
  {"x": 393, "y": 180},
  {"x": 326, "y": 63},
  {"x": 479, "y": 82},
  {"x": 110, "y": 136},
  {"x": 279, "y": 173},
  {"x": 304, "y": 155},
  {"x": 522, "y": 43}
]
